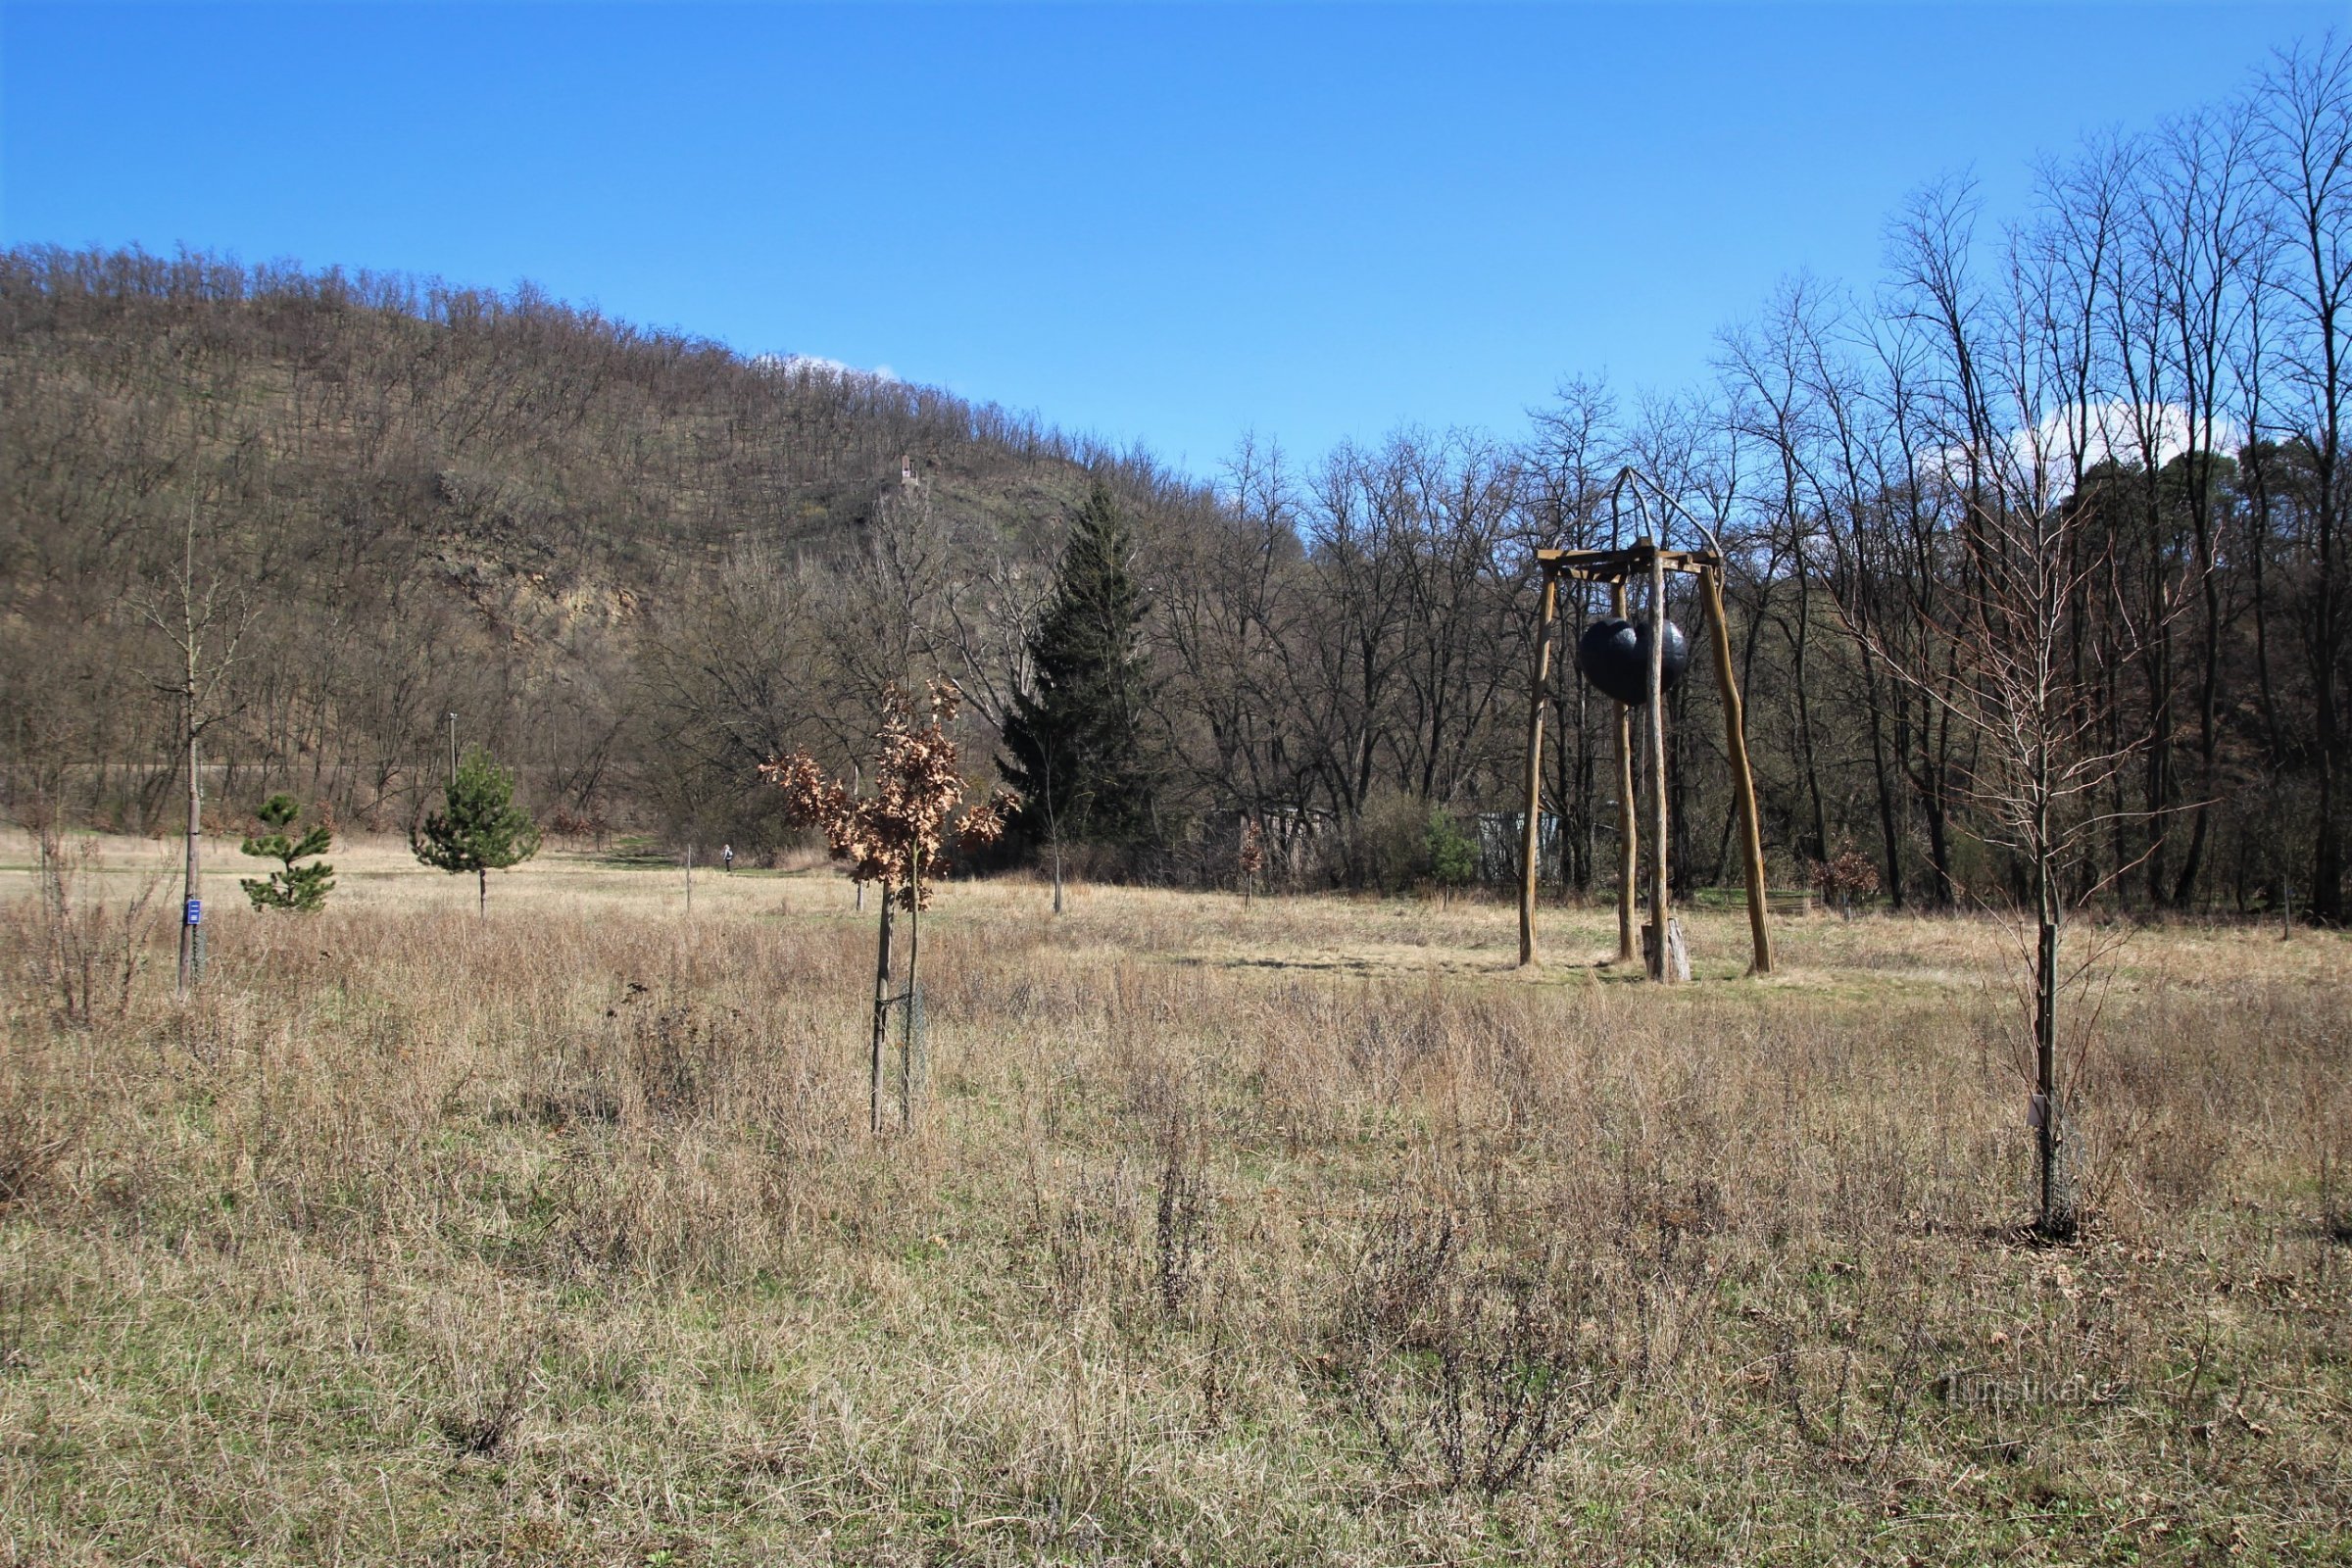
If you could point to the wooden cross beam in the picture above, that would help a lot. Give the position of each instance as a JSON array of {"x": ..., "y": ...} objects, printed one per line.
[{"x": 1620, "y": 565}]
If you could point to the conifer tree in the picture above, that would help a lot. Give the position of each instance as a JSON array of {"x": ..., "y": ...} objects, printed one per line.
[
  {"x": 302, "y": 888},
  {"x": 1076, "y": 753},
  {"x": 481, "y": 828},
  {"x": 1452, "y": 853}
]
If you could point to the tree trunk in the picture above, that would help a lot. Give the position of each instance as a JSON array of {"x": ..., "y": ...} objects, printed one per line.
[
  {"x": 2208, "y": 720},
  {"x": 910, "y": 1048},
  {"x": 191, "y": 932},
  {"x": 1890, "y": 839},
  {"x": 1743, "y": 781},
  {"x": 2057, "y": 1220}
]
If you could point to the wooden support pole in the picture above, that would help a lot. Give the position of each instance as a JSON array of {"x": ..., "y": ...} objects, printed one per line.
[
  {"x": 882, "y": 1005},
  {"x": 1629, "y": 829},
  {"x": 1530, "y": 838},
  {"x": 1744, "y": 779},
  {"x": 1661, "y": 964}
]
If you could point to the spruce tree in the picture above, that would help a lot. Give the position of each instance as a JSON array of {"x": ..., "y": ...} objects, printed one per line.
[
  {"x": 1076, "y": 751},
  {"x": 481, "y": 828}
]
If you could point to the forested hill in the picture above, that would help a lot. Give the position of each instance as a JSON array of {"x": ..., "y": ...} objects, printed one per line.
[{"x": 406, "y": 499}]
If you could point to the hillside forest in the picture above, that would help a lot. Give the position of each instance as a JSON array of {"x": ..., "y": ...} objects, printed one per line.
[{"x": 343, "y": 507}]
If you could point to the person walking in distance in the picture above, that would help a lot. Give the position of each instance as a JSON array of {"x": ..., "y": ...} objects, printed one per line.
[{"x": 726, "y": 855}]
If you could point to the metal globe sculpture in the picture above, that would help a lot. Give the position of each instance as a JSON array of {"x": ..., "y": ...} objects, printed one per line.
[{"x": 1614, "y": 656}]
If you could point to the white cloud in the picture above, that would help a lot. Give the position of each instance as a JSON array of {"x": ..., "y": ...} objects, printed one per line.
[
  {"x": 2124, "y": 431},
  {"x": 2040, "y": 460}
]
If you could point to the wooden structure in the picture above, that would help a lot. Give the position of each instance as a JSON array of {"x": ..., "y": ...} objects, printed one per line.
[{"x": 1644, "y": 561}]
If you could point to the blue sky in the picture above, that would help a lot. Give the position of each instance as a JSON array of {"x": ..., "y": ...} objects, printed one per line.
[{"x": 1164, "y": 224}]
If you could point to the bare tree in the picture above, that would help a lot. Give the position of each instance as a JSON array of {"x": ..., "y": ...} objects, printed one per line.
[
  {"x": 2304, "y": 114},
  {"x": 2028, "y": 569},
  {"x": 203, "y": 617}
]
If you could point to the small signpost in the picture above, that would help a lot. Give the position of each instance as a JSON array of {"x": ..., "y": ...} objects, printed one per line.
[{"x": 192, "y": 917}]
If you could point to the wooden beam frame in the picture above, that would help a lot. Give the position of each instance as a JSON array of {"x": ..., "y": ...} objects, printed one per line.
[
  {"x": 1618, "y": 569},
  {"x": 1621, "y": 565}
]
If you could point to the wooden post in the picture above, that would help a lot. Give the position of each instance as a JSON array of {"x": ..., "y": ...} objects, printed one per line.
[
  {"x": 1629, "y": 830},
  {"x": 881, "y": 1042},
  {"x": 1529, "y": 836},
  {"x": 1743, "y": 779},
  {"x": 910, "y": 1062},
  {"x": 1661, "y": 963}
]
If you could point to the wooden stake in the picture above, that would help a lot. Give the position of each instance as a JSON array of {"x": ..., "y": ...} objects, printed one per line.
[
  {"x": 881, "y": 1040},
  {"x": 1529, "y": 836},
  {"x": 1629, "y": 830},
  {"x": 1744, "y": 779},
  {"x": 1661, "y": 966}
]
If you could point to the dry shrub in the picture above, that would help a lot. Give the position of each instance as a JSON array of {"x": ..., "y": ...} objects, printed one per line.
[
  {"x": 1135, "y": 1245},
  {"x": 1082, "y": 1241},
  {"x": 33, "y": 1140},
  {"x": 680, "y": 1057},
  {"x": 1181, "y": 1230},
  {"x": 1475, "y": 1357},
  {"x": 74, "y": 948}
]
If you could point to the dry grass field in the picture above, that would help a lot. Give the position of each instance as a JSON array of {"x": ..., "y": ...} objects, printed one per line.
[{"x": 1303, "y": 1232}]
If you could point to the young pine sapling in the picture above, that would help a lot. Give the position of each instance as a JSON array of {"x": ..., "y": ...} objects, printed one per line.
[
  {"x": 302, "y": 888},
  {"x": 479, "y": 829}
]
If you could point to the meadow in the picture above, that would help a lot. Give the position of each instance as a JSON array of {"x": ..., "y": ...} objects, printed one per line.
[{"x": 1301, "y": 1231}]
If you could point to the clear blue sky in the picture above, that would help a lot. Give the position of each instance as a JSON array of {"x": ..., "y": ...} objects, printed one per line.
[{"x": 1156, "y": 225}]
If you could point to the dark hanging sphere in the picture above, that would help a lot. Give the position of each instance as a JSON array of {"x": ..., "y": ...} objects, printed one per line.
[{"x": 1614, "y": 656}]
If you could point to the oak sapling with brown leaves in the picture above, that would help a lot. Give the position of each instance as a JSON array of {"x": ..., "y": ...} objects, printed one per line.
[
  {"x": 899, "y": 836},
  {"x": 1250, "y": 860},
  {"x": 1845, "y": 877}
]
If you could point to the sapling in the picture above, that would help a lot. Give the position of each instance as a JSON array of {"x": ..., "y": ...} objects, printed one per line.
[
  {"x": 1845, "y": 877},
  {"x": 1250, "y": 860},
  {"x": 1452, "y": 853},
  {"x": 302, "y": 888},
  {"x": 480, "y": 829},
  {"x": 898, "y": 837}
]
